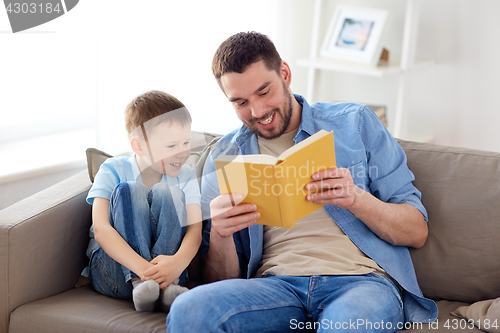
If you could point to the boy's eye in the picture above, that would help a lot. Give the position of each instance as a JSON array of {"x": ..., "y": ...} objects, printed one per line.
[
  {"x": 186, "y": 143},
  {"x": 171, "y": 146}
]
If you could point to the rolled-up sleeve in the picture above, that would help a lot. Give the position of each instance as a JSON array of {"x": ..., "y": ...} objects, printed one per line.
[{"x": 390, "y": 179}]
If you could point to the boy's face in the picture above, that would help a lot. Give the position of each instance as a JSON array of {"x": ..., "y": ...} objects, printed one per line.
[{"x": 169, "y": 147}]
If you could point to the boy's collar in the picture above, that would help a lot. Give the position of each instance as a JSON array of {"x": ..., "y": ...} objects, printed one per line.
[
  {"x": 135, "y": 169},
  {"x": 137, "y": 172}
]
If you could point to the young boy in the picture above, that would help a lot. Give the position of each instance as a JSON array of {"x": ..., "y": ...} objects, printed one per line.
[{"x": 146, "y": 208}]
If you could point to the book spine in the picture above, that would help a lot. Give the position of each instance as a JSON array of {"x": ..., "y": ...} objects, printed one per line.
[{"x": 289, "y": 190}]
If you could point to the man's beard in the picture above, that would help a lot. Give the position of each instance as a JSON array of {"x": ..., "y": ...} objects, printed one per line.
[{"x": 285, "y": 114}]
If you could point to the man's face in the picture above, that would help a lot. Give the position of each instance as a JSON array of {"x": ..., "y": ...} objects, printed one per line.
[
  {"x": 169, "y": 147},
  {"x": 261, "y": 99}
]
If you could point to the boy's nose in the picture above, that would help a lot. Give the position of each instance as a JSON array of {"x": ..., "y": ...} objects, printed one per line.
[{"x": 183, "y": 153}]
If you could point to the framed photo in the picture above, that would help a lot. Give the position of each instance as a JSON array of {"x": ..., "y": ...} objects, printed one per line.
[{"x": 354, "y": 35}]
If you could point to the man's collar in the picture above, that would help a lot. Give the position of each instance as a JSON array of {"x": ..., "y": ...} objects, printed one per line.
[{"x": 306, "y": 122}]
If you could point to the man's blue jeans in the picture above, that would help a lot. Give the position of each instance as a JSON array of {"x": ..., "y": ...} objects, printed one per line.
[
  {"x": 152, "y": 222},
  {"x": 365, "y": 303}
]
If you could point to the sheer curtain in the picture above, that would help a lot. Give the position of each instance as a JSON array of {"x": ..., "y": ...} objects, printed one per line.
[{"x": 76, "y": 74}]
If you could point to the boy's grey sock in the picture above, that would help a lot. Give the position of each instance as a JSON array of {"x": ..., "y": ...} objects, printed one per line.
[
  {"x": 145, "y": 294},
  {"x": 168, "y": 295}
]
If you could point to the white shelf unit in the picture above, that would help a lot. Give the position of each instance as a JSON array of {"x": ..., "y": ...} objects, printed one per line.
[{"x": 401, "y": 69}]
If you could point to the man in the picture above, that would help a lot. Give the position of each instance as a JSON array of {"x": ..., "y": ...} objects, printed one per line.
[{"x": 344, "y": 267}]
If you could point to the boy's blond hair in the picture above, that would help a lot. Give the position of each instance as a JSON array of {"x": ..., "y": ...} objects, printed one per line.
[{"x": 152, "y": 108}]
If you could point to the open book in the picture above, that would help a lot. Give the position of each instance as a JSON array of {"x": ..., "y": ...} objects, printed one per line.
[{"x": 276, "y": 185}]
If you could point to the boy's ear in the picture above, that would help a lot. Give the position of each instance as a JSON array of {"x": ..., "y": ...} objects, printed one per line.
[{"x": 136, "y": 145}]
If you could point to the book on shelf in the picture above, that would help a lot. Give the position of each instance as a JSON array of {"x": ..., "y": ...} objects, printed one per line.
[{"x": 276, "y": 185}]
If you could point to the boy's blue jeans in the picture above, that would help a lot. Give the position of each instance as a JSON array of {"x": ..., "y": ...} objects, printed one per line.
[
  {"x": 152, "y": 222},
  {"x": 365, "y": 303}
]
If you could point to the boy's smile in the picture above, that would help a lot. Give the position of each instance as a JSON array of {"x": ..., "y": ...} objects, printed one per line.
[{"x": 167, "y": 150}]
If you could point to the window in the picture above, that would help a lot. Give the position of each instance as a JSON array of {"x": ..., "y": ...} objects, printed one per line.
[{"x": 74, "y": 76}]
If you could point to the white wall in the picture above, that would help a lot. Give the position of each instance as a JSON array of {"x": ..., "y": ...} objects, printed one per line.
[
  {"x": 87, "y": 65},
  {"x": 171, "y": 51},
  {"x": 18, "y": 189},
  {"x": 456, "y": 100}
]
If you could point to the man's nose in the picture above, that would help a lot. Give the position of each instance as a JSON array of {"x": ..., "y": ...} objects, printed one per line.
[{"x": 258, "y": 109}]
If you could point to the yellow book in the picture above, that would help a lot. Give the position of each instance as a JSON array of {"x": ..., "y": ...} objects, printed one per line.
[{"x": 276, "y": 184}]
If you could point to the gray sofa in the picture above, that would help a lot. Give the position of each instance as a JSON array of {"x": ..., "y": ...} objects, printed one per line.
[{"x": 43, "y": 240}]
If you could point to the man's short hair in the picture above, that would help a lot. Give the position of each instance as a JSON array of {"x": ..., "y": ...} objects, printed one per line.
[
  {"x": 152, "y": 108},
  {"x": 239, "y": 51}
]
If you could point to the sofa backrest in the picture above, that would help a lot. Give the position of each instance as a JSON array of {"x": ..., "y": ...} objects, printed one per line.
[{"x": 461, "y": 192}]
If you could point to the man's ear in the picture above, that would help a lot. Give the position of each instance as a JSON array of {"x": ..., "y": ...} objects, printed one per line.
[
  {"x": 136, "y": 145},
  {"x": 286, "y": 73}
]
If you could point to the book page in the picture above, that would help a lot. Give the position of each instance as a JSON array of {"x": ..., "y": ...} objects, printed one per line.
[
  {"x": 256, "y": 182},
  {"x": 295, "y": 172},
  {"x": 252, "y": 158},
  {"x": 318, "y": 135}
]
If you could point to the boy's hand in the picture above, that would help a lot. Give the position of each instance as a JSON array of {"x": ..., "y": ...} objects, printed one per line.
[{"x": 165, "y": 270}]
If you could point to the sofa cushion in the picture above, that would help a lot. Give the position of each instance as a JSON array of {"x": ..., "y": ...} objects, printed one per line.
[
  {"x": 84, "y": 310},
  {"x": 445, "y": 321},
  {"x": 95, "y": 158},
  {"x": 461, "y": 192},
  {"x": 485, "y": 314}
]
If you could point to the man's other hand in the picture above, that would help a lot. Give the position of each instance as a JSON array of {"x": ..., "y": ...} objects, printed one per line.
[{"x": 228, "y": 216}]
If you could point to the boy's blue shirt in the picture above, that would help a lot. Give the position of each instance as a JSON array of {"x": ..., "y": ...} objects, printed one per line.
[
  {"x": 377, "y": 164},
  {"x": 121, "y": 169}
]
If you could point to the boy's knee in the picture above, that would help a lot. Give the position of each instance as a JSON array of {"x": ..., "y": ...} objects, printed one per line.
[
  {"x": 128, "y": 193},
  {"x": 130, "y": 188},
  {"x": 165, "y": 191}
]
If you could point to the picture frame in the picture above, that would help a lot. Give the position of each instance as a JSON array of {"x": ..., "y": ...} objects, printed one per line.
[{"x": 355, "y": 34}]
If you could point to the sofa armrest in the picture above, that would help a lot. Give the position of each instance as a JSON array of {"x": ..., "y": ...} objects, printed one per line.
[{"x": 42, "y": 244}]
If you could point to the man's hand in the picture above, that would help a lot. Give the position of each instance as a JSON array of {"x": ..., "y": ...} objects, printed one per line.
[
  {"x": 226, "y": 219},
  {"x": 165, "y": 270},
  {"x": 336, "y": 186},
  {"x": 222, "y": 259}
]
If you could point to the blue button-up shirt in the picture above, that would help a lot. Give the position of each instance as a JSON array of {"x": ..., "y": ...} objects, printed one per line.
[{"x": 377, "y": 165}]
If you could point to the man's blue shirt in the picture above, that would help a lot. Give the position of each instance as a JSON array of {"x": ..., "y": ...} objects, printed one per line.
[{"x": 377, "y": 164}]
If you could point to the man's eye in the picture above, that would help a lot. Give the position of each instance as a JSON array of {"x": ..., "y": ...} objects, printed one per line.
[
  {"x": 241, "y": 103},
  {"x": 264, "y": 92}
]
